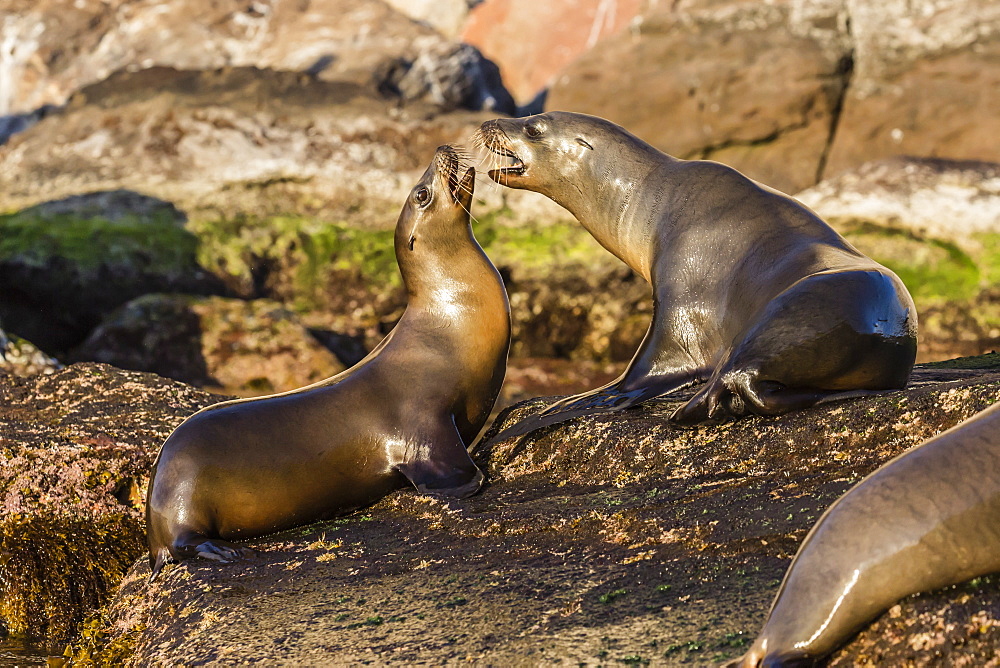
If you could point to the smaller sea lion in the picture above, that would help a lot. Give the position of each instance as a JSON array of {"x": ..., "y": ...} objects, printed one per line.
[
  {"x": 753, "y": 294},
  {"x": 407, "y": 411},
  {"x": 925, "y": 520}
]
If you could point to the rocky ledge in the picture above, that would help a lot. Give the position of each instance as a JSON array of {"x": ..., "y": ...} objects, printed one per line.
[{"x": 615, "y": 538}]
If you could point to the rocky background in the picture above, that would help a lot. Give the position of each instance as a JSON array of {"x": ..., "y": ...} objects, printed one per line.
[{"x": 206, "y": 191}]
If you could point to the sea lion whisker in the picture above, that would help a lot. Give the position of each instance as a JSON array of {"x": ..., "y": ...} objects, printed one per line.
[{"x": 471, "y": 217}]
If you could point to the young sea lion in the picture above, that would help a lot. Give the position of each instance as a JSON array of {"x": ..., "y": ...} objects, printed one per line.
[
  {"x": 408, "y": 411},
  {"x": 752, "y": 292},
  {"x": 925, "y": 520}
]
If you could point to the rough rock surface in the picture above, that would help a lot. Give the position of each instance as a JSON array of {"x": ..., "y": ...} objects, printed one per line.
[
  {"x": 790, "y": 92},
  {"x": 237, "y": 141},
  {"x": 241, "y": 347},
  {"x": 75, "y": 452},
  {"x": 615, "y": 538},
  {"x": 930, "y": 197},
  {"x": 926, "y": 82},
  {"x": 54, "y": 49},
  {"x": 739, "y": 83}
]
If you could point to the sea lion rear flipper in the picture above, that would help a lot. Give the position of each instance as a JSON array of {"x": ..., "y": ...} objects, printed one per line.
[
  {"x": 442, "y": 465},
  {"x": 191, "y": 544}
]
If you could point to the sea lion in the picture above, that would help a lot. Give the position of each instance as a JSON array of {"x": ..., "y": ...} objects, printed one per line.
[
  {"x": 407, "y": 411},
  {"x": 925, "y": 520},
  {"x": 752, "y": 292}
]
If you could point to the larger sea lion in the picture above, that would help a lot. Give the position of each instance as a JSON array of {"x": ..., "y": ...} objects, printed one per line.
[
  {"x": 408, "y": 411},
  {"x": 752, "y": 292},
  {"x": 925, "y": 520}
]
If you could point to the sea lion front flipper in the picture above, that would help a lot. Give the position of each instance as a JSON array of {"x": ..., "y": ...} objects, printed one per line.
[
  {"x": 607, "y": 398},
  {"x": 440, "y": 464}
]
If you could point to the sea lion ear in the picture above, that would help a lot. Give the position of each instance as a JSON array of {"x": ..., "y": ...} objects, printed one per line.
[{"x": 583, "y": 142}]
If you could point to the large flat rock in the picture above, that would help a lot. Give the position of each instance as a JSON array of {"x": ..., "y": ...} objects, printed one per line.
[{"x": 616, "y": 538}]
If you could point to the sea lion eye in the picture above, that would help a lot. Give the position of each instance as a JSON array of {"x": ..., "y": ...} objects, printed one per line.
[
  {"x": 422, "y": 196},
  {"x": 533, "y": 131}
]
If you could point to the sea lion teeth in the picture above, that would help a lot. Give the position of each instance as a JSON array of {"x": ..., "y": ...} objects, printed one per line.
[{"x": 407, "y": 412}]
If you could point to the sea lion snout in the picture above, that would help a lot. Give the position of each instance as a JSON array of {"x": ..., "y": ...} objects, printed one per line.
[
  {"x": 497, "y": 138},
  {"x": 448, "y": 165}
]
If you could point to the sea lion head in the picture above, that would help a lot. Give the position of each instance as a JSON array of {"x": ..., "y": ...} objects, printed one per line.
[
  {"x": 547, "y": 152},
  {"x": 439, "y": 205}
]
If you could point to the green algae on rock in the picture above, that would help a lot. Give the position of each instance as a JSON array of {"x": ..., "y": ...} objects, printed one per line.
[{"x": 74, "y": 268}]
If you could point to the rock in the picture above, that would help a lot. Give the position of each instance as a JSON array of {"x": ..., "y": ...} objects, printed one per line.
[
  {"x": 532, "y": 41},
  {"x": 613, "y": 537},
  {"x": 112, "y": 205},
  {"x": 451, "y": 77},
  {"x": 23, "y": 358},
  {"x": 791, "y": 92},
  {"x": 447, "y": 16},
  {"x": 61, "y": 271},
  {"x": 593, "y": 316},
  {"x": 256, "y": 347},
  {"x": 737, "y": 84},
  {"x": 76, "y": 448},
  {"x": 969, "y": 327},
  {"x": 928, "y": 197},
  {"x": 236, "y": 142},
  {"x": 926, "y": 82},
  {"x": 58, "y": 49}
]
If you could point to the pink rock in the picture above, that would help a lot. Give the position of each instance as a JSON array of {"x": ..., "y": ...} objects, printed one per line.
[{"x": 532, "y": 41}]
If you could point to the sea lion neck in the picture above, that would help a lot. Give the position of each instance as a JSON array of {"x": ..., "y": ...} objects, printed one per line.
[
  {"x": 443, "y": 266},
  {"x": 624, "y": 183}
]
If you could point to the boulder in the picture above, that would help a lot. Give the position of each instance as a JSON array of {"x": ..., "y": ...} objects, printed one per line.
[
  {"x": 792, "y": 92},
  {"x": 240, "y": 347},
  {"x": 739, "y": 83},
  {"x": 615, "y": 537},
  {"x": 58, "y": 49},
  {"x": 531, "y": 42},
  {"x": 76, "y": 448},
  {"x": 957, "y": 200},
  {"x": 65, "y": 264},
  {"x": 239, "y": 141},
  {"x": 925, "y": 82}
]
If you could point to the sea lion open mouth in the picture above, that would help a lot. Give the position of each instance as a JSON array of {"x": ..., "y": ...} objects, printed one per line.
[
  {"x": 491, "y": 137},
  {"x": 450, "y": 161}
]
